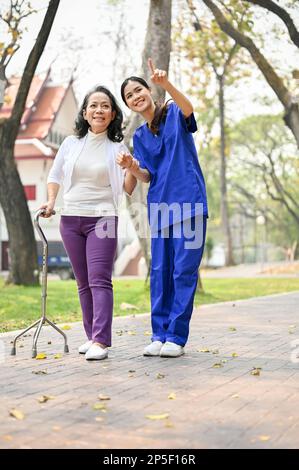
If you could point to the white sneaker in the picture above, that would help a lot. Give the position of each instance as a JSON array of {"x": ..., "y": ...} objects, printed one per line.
[
  {"x": 84, "y": 347},
  {"x": 96, "y": 353},
  {"x": 153, "y": 349},
  {"x": 171, "y": 350}
]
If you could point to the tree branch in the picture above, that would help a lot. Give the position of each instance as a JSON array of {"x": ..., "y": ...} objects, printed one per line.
[
  {"x": 266, "y": 68},
  {"x": 278, "y": 185},
  {"x": 282, "y": 14},
  {"x": 280, "y": 199},
  {"x": 31, "y": 65}
]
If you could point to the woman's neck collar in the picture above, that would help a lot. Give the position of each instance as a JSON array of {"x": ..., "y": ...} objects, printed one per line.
[{"x": 95, "y": 134}]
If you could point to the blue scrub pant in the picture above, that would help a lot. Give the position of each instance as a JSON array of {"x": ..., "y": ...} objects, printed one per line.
[{"x": 174, "y": 276}]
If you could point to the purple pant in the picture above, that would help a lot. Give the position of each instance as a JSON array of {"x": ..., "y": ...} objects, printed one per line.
[{"x": 92, "y": 258}]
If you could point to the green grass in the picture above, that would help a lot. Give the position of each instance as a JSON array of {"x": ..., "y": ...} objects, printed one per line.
[{"x": 20, "y": 306}]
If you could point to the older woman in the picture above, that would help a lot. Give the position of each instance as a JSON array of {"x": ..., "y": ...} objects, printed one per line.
[{"x": 93, "y": 183}]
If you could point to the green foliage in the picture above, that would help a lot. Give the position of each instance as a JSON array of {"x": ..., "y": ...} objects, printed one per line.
[
  {"x": 264, "y": 155},
  {"x": 12, "y": 31}
]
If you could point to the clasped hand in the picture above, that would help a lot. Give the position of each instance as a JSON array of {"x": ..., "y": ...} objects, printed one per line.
[{"x": 127, "y": 162}]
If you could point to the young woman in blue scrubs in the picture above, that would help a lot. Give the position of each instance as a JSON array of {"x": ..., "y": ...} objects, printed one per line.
[{"x": 165, "y": 155}]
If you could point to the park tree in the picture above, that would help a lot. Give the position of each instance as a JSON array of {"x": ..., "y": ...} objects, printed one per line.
[
  {"x": 219, "y": 63},
  {"x": 280, "y": 86},
  {"x": 264, "y": 149},
  {"x": 12, "y": 20},
  {"x": 23, "y": 252}
]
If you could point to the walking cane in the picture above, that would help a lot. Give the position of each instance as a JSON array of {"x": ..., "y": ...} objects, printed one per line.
[{"x": 43, "y": 318}]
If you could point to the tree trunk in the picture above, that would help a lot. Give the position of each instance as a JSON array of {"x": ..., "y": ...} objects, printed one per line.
[
  {"x": 224, "y": 203},
  {"x": 199, "y": 286},
  {"x": 22, "y": 246},
  {"x": 282, "y": 14},
  {"x": 23, "y": 252},
  {"x": 158, "y": 46}
]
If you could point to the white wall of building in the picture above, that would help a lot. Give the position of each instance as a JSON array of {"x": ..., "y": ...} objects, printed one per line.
[{"x": 65, "y": 119}]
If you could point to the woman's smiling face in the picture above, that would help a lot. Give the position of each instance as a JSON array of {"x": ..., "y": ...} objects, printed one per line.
[
  {"x": 98, "y": 112},
  {"x": 138, "y": 97}
]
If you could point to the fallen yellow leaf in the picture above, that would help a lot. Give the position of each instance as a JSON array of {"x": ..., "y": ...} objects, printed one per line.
[
  {"x": 99, "y": 406},
  {"x": 103, "y": 397},
  {"x": 232, "y": 328},
  {"x": 168, "y": 424},
  {"x": 157, "y": 417},
  {"x": 160, "y": 376},
  {"x": 264, "y": 438},
  {"x": 147, "y": 333},
  {"x": 41, "y": 356},
  {"x": 217, "y": 365},
  {"x": 45, "y": 398},
  {"x": 204, "y": 350},
  {"x": 66, "y": 327},
  {"x": 256, "y": 371},
  {"x": 235, "y": 355},
  {"x": 56, "y": 428},
  {"x": 172, "y": 396},
  {"x": 132, "y": 333},
  {"x": 18, "y": 414},
  {"x": 57, "y": 356},
  {"x": 235, "y": 396}
]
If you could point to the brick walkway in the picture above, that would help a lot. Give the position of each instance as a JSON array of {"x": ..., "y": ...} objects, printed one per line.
[{"x": 213, "y": 407}]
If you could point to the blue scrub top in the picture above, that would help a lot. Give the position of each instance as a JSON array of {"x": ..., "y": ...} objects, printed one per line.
[{"x": 177, "y": 188}]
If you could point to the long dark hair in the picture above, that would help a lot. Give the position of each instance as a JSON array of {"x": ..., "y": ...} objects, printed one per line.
[
  {"x": 114, "y": 130},
  {"x": 160, "y": 107}
]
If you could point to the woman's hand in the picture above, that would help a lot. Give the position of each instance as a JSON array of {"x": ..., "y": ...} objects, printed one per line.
[
  {"x": 124, "y": 160},
  {"x": 48, "y": 208},
  {"x": 127, "y": 162},
  {"x": 158, "y": 77}
]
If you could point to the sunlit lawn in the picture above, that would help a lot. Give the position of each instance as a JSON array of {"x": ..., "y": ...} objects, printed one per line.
[{"x": 20, "y": 306}]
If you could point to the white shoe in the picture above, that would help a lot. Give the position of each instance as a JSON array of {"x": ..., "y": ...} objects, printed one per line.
[
  {"x": 84, "y": 347},
  {"x": 153, "y": 349},
  {"x": 171, "y": 350},
  {"x": 96, "y": 353}
]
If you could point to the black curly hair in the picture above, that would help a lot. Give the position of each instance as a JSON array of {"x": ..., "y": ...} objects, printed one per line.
[{"x": 114, "y": 131}]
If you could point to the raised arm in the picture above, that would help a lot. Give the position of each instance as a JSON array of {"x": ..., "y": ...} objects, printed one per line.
[{"x": 159, "y": 77}]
